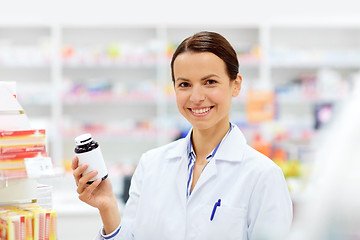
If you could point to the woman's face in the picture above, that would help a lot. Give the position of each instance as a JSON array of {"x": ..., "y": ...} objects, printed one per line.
[{"x": 203, "y": 89}]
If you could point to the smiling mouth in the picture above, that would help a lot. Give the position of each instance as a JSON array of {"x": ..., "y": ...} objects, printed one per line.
[{"x": 201, "y": 110}]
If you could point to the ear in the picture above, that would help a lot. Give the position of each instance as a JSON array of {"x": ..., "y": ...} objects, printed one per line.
[{"x": 237, "y": 85}]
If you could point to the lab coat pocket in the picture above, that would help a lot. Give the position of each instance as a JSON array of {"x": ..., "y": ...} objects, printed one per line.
[{"x": 227, "y": 223}]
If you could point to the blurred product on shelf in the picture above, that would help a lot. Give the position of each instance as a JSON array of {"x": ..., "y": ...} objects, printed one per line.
[
  {"x": 278, "y": 152},
  {"x": 44, "y": 195},
  {"x": 20, "y": 141},
  {"x": 325, "y": 85},
  {"x": 103, "y": 91},
  {"x": 25, "y": 222},
  {"x": 287, "y": 147},
  {"x": 123, "y": 53},
  {"x": 37, "y": 93},
  {"x": 261, "y": 145},
  {"x": 17, "y": 147},
  {"x": 249, "y": 55},
  {"x": 323, "y": 114},
  {"x": 16, "y": 161},
  {"x": 282, "y": 55},
  {"x": 144, "y": 129},
  {"x": 13, "y": 54},
  {"x": 260, "y": 105}
]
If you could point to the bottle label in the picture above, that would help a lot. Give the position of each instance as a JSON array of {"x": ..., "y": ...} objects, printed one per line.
[{"x": 95, "y": 161}]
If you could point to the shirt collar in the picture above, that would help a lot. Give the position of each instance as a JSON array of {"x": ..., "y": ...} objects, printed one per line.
[
  {"x": 235, "y": 141},
  {"x": 190, "y": 149}
]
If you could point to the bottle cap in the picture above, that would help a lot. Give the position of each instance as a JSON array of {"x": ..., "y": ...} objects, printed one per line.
[{"x": 83, "y": 139}]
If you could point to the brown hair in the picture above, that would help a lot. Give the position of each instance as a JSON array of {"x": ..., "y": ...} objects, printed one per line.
[{"x": 209, "y": 42}]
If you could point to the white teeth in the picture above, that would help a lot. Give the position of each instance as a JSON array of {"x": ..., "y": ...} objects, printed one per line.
[{"x": 202, "y": 110}]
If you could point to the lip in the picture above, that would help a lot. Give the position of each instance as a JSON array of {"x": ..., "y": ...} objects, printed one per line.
[{"x": 199, "y": 109}]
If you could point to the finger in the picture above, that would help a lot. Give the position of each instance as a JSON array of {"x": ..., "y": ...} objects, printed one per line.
[
  {"x": 78, "y": 172},
  {"x": 86, "y": 194},
  {"x": 75, "y": 163},
  {"x": 83, "y": 181}
]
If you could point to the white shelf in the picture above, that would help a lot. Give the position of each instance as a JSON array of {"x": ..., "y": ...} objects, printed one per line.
[
  {"x": 53, "y": 173},
  {"x": 27, "y": 65},
  {"x": 307, "y": 101},
  {"x": 105, "y": 65},
  {"x": 314, "y": 64},
  {"x": 89, "y": 100}
]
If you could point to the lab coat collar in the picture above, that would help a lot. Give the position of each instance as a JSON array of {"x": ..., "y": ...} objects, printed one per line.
[
  {"x": 232, "y": 147},
  {"x": 179, "y": 148},
  {"x": 234, "y": 143}
]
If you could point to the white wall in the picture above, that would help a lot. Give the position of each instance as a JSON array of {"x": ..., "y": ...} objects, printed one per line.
[{"x": 181, "y": 11}]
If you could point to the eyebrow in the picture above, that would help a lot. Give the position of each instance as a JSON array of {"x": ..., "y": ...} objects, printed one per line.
[
  {"x": 203, "y": 78},
  {"x": 182, "y": 79},
  {"x": 209, "y": 76}
]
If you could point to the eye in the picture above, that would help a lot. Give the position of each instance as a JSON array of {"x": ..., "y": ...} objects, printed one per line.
[
  {"x": 210, "y": 82},
  {"x": 184, "y": 85}
]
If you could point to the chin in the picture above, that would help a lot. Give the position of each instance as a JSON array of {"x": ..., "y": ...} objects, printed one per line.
[{"x": 201, "y": 125}]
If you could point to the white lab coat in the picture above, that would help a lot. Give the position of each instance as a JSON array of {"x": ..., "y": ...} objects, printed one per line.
[{"x": 255, "y": 202}]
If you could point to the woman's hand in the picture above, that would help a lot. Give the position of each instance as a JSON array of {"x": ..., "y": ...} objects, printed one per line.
[{"x": 98, "y": 194}]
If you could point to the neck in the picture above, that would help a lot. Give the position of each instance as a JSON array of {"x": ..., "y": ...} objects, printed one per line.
[{"x": 205, "y": 140}]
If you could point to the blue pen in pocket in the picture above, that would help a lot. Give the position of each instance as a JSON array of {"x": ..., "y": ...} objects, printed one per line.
[{"x": 217, "y": 204}]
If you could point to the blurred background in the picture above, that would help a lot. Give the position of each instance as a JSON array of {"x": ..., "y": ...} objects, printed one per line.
[{"x": 103, "y": 67}]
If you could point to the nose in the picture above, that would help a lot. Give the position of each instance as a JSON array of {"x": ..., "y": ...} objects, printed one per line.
[{"x": 197, "y": 95}]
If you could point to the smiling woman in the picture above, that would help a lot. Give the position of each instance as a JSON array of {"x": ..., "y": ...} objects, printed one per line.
[
  {"x": 208, "y": 185},
  {"x": 204, "y": 90}
]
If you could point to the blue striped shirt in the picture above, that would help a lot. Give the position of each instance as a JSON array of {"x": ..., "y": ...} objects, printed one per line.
[{"x": 191, "y": 156}]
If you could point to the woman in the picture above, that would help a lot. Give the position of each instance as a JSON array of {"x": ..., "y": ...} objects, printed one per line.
[{"x": 208, "y": 185}]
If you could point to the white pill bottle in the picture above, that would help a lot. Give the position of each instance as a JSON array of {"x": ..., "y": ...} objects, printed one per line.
[{"x": 88, "y": 152}]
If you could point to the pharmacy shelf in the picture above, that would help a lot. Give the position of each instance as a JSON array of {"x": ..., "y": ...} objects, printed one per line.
[
  {"x": 114, "y": 81},
  {"x": 53, "y": 173},
  {"x": 125, "y": 59},
  {"x": 16, "y": 202},
  {"x": 18, "y": 188}
]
